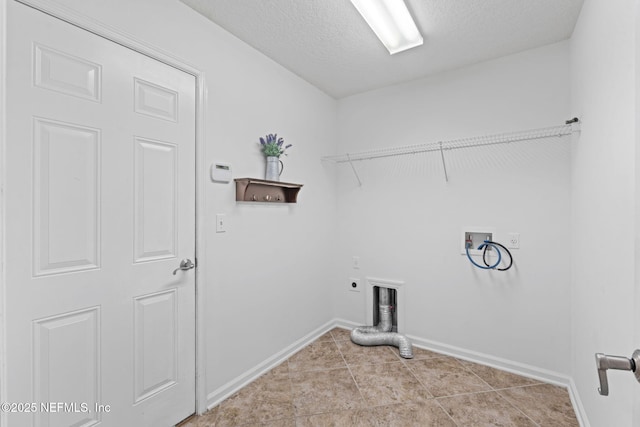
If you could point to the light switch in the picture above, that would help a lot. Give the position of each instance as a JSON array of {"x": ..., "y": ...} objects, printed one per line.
[{"x": 221, "y": 226}]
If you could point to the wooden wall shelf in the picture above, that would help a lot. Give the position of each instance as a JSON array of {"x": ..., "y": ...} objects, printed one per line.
[{"x": 260, "y": 190}]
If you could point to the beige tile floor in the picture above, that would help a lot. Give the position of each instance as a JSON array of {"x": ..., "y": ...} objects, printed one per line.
[{"x": 333, "y": 382}]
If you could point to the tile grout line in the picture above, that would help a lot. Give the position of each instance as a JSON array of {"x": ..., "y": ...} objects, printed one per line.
[
  {"x": 517, "y": 408},
  {"x": 349, "y": 369},
  {"x": 260, "y": 399},
  {"x": 445, "y": 411},
  {"x": 474, "y": 374},
  {"x": 416, "y": 377},
  {"x": 495, "y": 390},
  {"x": 293, "y": 407},
  {"x": 335, "y": 342},
  {"x": 491, "y": 389},
  {"x": 428, "y": 391}
]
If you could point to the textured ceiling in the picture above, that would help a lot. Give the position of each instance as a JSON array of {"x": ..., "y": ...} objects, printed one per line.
[{"x": 327, "y": 42}]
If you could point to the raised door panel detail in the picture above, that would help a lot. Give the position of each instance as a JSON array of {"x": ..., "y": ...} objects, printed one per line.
[
  {"x": 66, "y": 197},
  {"x": 67, "y": 74},
  {"x": 66, "y": 368},
  {"x": 156, "y": 184},
  {"x": 156, "y": 101},
  {"x": 156, "y": 343}
]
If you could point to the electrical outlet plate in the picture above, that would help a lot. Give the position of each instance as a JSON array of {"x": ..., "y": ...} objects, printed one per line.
[
  {"x": 354, "y": 284},
  {"x": 478, "y": 235},
  {"x": 514, "y": 241}
]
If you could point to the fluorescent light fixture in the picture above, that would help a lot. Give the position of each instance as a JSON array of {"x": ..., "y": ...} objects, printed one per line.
[{"x": 392, "y": 23}]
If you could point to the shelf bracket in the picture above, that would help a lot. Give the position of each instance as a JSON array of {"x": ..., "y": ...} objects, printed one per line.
[
  {"x": 262, "y": 190},
  {"x": 444, "y": 165},
  {"x": 355, "y": 172}
]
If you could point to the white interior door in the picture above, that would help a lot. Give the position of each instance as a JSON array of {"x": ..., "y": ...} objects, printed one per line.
[
  {"x": 636, "y": 306},
  {"x": 100, "y": 210}
]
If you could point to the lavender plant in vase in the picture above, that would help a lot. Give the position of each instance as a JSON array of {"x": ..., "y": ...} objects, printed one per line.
[{"x": 273, "y": 147}]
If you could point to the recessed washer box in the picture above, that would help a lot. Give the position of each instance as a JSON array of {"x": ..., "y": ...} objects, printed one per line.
[
  {"x": 400, "y": 293},
  {"x": 476, "y": 235}
]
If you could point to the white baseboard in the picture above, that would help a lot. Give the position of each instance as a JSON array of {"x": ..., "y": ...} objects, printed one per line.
[
  {"x": 226, "y": 390},
  {"x": 534, "y": 372},
  {"x": 522, "y": 369},
  {"x": 517, "y": 368},
  {"x": 525, "y": 370},
  {"x": 346, "y": 324},
  {"x": 578, "y": 408}
]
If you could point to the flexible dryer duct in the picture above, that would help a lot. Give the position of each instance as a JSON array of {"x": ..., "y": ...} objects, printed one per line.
[{"x": 381, "y": 333}]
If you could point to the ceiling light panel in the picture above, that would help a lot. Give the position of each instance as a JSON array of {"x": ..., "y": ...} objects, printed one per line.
[{"x": 392, "y": 23}]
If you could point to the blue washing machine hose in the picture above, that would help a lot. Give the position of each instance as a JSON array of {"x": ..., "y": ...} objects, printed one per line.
[{"x": 485, "y": 245}]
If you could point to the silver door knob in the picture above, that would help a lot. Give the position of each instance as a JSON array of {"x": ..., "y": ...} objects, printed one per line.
[
  {"x": 185, "y": 264},
  {"x": 604, "y": 362}
]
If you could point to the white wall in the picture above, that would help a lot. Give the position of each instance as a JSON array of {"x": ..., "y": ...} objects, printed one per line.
[
  {"x": 603, "y": 197},
  {"x": 405, "y": 221},
  {"x": 267, "y": 275}
]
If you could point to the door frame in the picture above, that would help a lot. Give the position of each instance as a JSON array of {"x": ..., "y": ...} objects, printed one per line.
[{"x": 114, "y": 35}]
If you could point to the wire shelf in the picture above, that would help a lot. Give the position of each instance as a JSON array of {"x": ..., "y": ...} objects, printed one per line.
[
  {"x": 457, "y": 144},
  {"x": 479, "y": 141}
]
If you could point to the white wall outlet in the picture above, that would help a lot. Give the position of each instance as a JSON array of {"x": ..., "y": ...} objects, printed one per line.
[
  {"x": 514, "y": 241},
  {"x": 354, "y": 284},
  {"x": 221, "y": 225},
  {"x": 355, "y": 263}
]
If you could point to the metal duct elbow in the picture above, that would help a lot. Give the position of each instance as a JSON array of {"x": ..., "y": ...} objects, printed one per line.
[
  {"x": 368, "y": 336},
  {"x": 404, "y": 345},
  {"x": 381, "y": 333}
]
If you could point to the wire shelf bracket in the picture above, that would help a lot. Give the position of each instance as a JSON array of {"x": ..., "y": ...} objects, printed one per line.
[
  {"x": 355, "y": 172},
  {"x": 444, "y": 164},
  {"x": 561, "y": 131}
]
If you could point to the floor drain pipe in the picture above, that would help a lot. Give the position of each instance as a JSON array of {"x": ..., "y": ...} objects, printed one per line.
[{"x": 381, "y": 333}]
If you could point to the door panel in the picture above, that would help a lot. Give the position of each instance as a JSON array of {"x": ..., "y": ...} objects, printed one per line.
[
  {"x": 156, "y": 198},
  {"x": 156, "y": 343},
  {"x": 66, "y": 189},
  {"x": 66, "y": 74},
  {"x": 66, "y": 364},
  {"x": 156, "y": 101},
  {"x": 100, "y": 211}
]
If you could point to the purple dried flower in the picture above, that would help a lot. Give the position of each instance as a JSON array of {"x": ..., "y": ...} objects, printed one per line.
[{"x": 272, "y": 145}]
